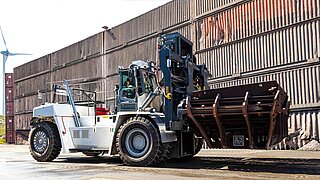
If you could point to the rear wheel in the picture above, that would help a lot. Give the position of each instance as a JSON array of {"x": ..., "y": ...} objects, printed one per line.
[
  {"x": 138, "y": 142},
  {"x": 44, "y": 142}
]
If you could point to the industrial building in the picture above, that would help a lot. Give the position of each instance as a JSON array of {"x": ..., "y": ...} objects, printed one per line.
[
  {"x": 9, "y": 103},
  {"x": 241, "y": 42}
]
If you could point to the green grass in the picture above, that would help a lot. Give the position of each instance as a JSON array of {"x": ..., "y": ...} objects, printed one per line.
[{"x": 2, "y": 129}]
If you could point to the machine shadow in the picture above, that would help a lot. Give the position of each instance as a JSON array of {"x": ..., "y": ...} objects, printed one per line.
[
  {"x": 90, "y": 160},
  {"x": 272, "y": 165}
]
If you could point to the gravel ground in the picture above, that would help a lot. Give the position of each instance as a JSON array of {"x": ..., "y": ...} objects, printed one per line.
[{"x": 16, "y": 163}]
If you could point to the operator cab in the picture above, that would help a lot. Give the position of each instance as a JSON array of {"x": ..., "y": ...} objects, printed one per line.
[{"x": 136, "y": 83}]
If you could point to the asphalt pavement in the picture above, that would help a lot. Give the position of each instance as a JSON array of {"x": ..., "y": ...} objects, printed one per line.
[{"x": 17, "y": 163}]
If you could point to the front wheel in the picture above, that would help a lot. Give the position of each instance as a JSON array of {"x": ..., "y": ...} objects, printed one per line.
[
  {"x": 138, "y": 142},
  {"x": 44, "y": 142}
]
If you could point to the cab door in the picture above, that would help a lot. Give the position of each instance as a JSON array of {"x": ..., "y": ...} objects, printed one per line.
[{"x": 127, "y": 91}]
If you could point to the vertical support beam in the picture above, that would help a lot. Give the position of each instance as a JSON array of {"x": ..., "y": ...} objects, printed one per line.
[
  {"x": 71, "y": 102},
  {"x": 193, "y": 24},
  {"x": 3, "y": 80},
  {"x": 218, "y": 121},
  {"x": 103, "y": 66},
  {"x": 273, "y": 115},
  {"x": 246, "y": 117},
  {"x": 51, "y": 77}
]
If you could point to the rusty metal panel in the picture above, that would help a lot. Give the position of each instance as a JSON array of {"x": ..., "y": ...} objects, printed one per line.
[
  {"x": 291, "y": 45},
  {"x": 9, "y": 108},
  {"x": 10, "y": 137},
  {"x": 9, "y": 80},
  {"x": 9, "y": 94},
  {"x": 252, "y": 19}
]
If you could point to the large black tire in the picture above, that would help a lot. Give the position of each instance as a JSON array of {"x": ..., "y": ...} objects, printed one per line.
[
  {"x": 138, "y": 143},
  {"x": 45, "y": 144},
  {"x": 166, "y": 150}
]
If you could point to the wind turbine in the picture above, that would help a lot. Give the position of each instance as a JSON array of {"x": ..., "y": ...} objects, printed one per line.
[{"x": 5, "y": 55}]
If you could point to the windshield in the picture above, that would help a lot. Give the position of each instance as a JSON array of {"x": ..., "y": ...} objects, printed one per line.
[
  {"x": 149, "y": 80},
  {"x": 128, "y": 84}
]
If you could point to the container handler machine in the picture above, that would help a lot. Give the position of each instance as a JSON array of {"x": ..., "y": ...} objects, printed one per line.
[{"x": 156, "y": 120}]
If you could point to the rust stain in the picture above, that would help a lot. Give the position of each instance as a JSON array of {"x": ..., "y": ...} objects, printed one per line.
[{"x": 227, "y": 25}]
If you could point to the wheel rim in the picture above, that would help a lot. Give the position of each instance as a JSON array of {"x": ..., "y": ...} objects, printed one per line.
[
  {"x": 137, "y": 142},
  {"x": 40, "y": 141}
]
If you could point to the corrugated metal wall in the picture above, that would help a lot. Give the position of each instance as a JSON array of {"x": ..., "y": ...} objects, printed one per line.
[
  {"x": 241, "y": 41},
  {"x": 261, "y": 40}
]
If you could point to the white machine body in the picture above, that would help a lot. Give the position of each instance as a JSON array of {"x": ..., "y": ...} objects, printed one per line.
[{"x": 96, "y": 133}]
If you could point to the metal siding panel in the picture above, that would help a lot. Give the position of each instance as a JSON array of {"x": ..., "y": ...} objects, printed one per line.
[
  {"x": 32, "y": 67},
  {"x": 85, "y": 48},
  {"x": 318, "y": 35},
  {"x": 308, "y": 122},
  {"x": 85, "y": 69},
  {"x": 318, "y": 7},
  {"x": 174, "y": 13},
  {"x": 204, "y": 6},
  {"x": 26, "y": 104},
  {"x": 298, "y": 83},
  {"x": 285, "y": 43},
  {"x": 22, "y": 121},
  {"x": 134, "y": 29},
  {"x": 32, "y": 85}
]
